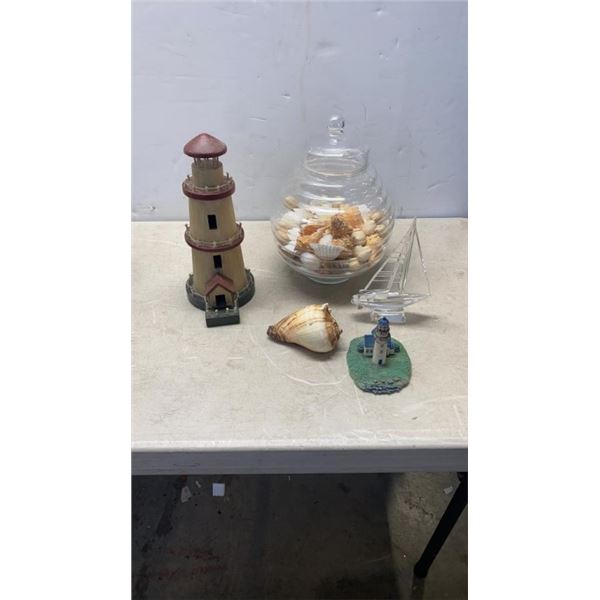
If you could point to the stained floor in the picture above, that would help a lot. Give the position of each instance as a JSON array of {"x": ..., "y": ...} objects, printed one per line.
[{"x": 298, "y": 536}]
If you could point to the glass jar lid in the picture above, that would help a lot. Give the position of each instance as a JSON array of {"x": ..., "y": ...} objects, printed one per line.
[{"x": 334, "y": 157}]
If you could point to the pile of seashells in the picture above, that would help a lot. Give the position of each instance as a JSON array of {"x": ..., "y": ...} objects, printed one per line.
[{"x": 333, "y": 237}]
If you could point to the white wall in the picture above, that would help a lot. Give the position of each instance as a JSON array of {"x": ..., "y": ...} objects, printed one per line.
[{"x": 265, "y": 76}]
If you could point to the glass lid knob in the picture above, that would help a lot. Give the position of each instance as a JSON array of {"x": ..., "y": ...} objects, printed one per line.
[{"x": 336, "y": 128}]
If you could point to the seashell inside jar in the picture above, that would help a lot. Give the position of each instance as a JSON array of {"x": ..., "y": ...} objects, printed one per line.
[{"x": 335, "y": 219}]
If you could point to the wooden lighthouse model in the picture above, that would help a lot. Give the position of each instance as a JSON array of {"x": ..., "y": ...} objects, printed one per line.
[{"x": 220, "y": 283}]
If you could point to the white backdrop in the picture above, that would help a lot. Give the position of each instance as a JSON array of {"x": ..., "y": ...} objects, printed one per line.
[{"x": 265, "y": 76}]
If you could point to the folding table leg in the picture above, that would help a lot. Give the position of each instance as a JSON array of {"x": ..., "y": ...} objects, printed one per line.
[{"x": 449, "y": 518}]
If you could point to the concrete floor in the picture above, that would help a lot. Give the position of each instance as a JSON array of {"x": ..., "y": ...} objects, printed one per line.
[{"x": 298, "y": 536}]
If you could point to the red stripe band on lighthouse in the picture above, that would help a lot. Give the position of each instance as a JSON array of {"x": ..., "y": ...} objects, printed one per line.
[
  {"x": 220, "y": 246},
  {"x": 222, "y": 191}
]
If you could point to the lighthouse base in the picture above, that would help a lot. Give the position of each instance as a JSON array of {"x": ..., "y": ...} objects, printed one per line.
[
  {"x": 225, "y": 316},
  {"x": 378, "y": 379}
]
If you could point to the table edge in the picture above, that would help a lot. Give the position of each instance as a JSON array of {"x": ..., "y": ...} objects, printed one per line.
[{"x": 287, "y": 461}]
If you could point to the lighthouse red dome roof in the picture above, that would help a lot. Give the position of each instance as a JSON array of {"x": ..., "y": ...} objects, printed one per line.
[{"x": 205, "y": 145}]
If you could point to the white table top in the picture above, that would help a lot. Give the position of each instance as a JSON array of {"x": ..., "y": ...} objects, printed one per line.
[{"x": 230, "y": 400}]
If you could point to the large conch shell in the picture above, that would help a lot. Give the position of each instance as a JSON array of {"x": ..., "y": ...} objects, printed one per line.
[{"x": 312, "y": 327}]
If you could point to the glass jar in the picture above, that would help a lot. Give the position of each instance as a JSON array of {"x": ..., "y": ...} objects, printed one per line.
[{"x": 335, "y": 218}]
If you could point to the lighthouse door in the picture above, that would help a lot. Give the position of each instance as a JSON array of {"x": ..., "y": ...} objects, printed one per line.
[{"x": 220, "y": 301}]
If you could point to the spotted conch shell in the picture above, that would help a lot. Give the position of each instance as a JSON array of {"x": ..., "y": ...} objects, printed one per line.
[
  {"x": 339, "y": 228},
  {"x": 312, "y": 327}
]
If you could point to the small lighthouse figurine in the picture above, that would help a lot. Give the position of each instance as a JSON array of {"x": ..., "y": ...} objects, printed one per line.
[
  {"x": 220, "y": 283},
  {"x": 381, "y": 345},
  {"x": 378, "y": 363}
]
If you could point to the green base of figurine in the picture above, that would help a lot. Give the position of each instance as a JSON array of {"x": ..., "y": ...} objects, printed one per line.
[{"x": 379, "y": 379}]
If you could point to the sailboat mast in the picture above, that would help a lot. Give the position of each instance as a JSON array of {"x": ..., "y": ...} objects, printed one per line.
[
  {"x": 403, "y": 264},
  {"x": 396, "y": 257},
  {"x": 394, "y": 274},
  {"x": 413, "y": 228}
]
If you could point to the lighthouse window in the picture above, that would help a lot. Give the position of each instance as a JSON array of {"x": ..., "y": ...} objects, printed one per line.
[
  {"x": 212, "y": 221},
  {"x": 217, "y": 261}
]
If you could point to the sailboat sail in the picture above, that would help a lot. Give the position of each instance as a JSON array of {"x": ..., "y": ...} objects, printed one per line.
[{"x": 399, "y": 282}]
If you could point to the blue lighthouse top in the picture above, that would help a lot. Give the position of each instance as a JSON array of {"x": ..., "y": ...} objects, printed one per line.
[
  {"x": 383, "y": 328},
  {"x": 382, "y": 332}
]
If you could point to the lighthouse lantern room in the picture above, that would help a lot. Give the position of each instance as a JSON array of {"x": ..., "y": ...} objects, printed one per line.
[{"x": 220, "y": 284}]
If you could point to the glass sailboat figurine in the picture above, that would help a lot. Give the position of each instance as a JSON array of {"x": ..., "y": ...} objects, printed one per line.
[{"x": 401, "y": 281}]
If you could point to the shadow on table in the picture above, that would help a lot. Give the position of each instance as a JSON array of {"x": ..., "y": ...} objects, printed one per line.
[
  {"x": 317, "y": 293},
  {"x": 364, "y": 316}
]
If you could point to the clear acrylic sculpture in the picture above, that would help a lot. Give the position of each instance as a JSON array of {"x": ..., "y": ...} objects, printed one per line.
[{"x": 401, "y": 281}]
